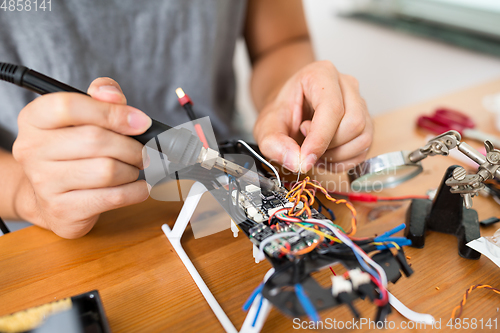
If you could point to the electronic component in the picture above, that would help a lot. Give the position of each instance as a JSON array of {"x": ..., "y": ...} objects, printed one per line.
[
  {"x": 293, "y": 232},
  {"x": 260, "y": 232}
]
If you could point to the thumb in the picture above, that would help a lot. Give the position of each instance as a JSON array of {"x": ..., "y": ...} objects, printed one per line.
[
  {"x": 282, "y": 149},
  {"x": 107, "y": 90}
]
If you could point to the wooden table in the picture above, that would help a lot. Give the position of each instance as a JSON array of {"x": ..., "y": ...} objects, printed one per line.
[{"x": 145, "y": 287}]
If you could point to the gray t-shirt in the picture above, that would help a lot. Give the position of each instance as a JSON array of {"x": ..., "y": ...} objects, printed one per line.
[{"x": 149, "y": 47}]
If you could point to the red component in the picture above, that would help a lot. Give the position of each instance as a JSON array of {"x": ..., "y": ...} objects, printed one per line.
[
  {"x": 185, "y": 100},
  {"x": 444, "y": 120},
  {"x": 201, "y": 135},
  {"x": 363, "y": 197}
]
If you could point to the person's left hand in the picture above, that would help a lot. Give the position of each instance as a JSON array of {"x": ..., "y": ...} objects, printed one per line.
[{"x": 326, "y": 108}]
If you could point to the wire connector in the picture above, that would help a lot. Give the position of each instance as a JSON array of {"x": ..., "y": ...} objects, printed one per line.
[
  {"x": 340, "y": 285},
  {"x": 183, "y": 97},
  {"x": 358, "y": 278}
]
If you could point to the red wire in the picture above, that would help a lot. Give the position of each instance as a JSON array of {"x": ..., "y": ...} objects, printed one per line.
[
  {"x": 271, "y": 217},
  {"x": 201, "y": 135},
  {"x": 365, "y": 197},
  {"x": 385, "y": 297}
]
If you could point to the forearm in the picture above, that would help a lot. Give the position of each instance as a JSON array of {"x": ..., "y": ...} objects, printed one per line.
[
  {"x": 273, "y": 69},
  {"x": 16, "y": 196}
]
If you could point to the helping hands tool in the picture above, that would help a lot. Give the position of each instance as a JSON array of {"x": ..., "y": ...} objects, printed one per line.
[
  {"x": 179, "y": 145},
  {"x": 382, "y": 171}
]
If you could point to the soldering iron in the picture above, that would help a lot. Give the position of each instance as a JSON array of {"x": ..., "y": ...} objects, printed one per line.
[{"x": 180, "y": 146}]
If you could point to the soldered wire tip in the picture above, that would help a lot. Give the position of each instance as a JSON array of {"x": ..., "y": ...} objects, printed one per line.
[
  {"x": 183, "y": 97},
  {"x": 180, "y": 93}
]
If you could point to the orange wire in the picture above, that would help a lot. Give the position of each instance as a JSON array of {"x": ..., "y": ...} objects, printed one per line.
[{"x": 464, "y": 300}]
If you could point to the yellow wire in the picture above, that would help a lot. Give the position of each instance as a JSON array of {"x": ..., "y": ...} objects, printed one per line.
[
  {"x": 335, "y": 239},
  {"x": 393, "y": 243},
  {"x": 296, "y": 195},
  {"x": 464, "y": 300}
]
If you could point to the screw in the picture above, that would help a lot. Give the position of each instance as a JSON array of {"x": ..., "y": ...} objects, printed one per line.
[
  {"x": 459, "y": 173},
  {"x": 494, "y": 157}
]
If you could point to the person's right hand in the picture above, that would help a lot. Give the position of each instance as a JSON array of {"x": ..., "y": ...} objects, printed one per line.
[{"x": 78, "y": 158}]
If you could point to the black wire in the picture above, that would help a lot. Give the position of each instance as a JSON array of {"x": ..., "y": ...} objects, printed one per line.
[
  {"x": 3, "y": 227},
  {"x": 189, "y": 110}
]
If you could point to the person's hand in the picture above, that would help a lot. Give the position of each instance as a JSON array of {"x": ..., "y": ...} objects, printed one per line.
[
  {"x": 327, "y": 109},
  {"x": 77, "y": 157}
]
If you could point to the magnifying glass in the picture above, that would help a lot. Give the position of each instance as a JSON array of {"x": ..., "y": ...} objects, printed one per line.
[{"x": 383, "y": 171}]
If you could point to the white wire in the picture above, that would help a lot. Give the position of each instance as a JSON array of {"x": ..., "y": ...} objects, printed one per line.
[
  {"x": 263, "y": 160},
  {"x": 273, "y": 237},
  {"x": 410, "y": 314},
  {"x": 348, "y": 242}
]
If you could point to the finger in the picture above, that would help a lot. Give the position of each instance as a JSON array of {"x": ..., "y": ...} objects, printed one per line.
[
  {"x": 108, "y": 90},
  {"x": 97, "y": 201},
  {"x": 356, "y": 114},
  {"x": 355, "y": 118},
  {"x": 354, "y": 148},
  {"x": 89, "y": 173},
  {"x": 59, "y": 110},
  {"x": 88, "y": 141},
  {"x": 344, "y": 166},
  {"x": 272, "y": 133},
  {"x": 325, "y": 97}
]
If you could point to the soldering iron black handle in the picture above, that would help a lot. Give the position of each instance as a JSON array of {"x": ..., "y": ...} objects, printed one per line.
[{"x": 42, "y": 84}]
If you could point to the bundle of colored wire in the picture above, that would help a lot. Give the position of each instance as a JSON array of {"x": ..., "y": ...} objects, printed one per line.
[
  {"x": 379, "y": 277},
  {"x": 305, "y": 192},
  {"x": 381, "y": 273},
  {"x": 466, "y": 295}
]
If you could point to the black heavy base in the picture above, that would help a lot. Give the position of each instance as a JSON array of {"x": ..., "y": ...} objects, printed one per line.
[{"x": 445, "y": 214}]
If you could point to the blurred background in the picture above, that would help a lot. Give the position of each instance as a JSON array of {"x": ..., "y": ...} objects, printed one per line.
[{"x": 401, "y": 51}]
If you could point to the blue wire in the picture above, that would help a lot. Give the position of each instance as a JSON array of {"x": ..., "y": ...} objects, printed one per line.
[
  {"x": 366, "y": 267},
  {"x": 393, "y": 239},
  {"x": 321, "y": 205},
  {"x": 332, "y": 216},
  {"x": 258, "y": 311},
  {"x": 254, "y": 294},
  {"x": 390, "y": 232},
  {"x": 306, "y": 303},
  {"x": 402, "y": 242}
]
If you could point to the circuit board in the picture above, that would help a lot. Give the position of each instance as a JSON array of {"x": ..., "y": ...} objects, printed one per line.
[
  {"x": 299, "y": 240},
  {"x": 287, "y": 226}
]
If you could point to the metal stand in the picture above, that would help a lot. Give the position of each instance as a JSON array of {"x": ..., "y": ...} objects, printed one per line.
[
  {"x": 446, "y": 214},
  {"x": 260, "y": 307}
]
